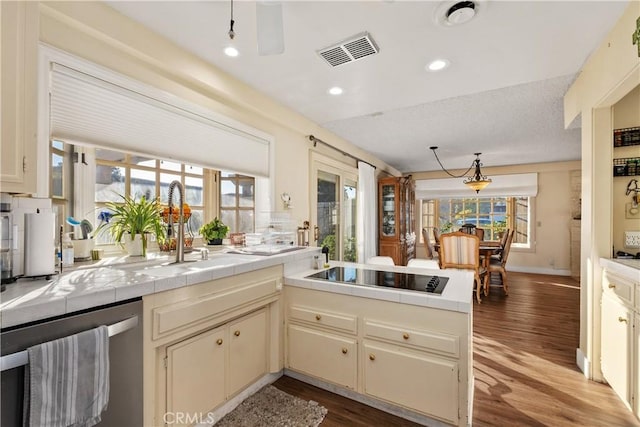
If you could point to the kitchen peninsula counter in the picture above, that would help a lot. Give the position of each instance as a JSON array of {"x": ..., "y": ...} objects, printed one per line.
[
  {"x": 404, "y": 351},
  {"x": 457, "y": 295}
]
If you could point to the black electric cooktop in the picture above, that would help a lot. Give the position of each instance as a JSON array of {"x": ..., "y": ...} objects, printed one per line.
[{"x": 389, "y": 279}]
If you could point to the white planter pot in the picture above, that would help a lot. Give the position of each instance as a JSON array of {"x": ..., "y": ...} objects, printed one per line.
[{"x": 133, "y": 247}]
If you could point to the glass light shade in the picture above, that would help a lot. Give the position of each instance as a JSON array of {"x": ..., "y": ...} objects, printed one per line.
[{"x": 477, "y": 185}]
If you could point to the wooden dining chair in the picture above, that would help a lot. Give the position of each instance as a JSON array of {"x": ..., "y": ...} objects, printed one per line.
[
  {"x": 480, "y": 233},
  {"x": 503, "y": 242},
  {"x": 500, "y": 265},
  {"x": 436, "y": 239},
  {"x": 431, "y": 252},
  {"x": 462, "y": 251}
]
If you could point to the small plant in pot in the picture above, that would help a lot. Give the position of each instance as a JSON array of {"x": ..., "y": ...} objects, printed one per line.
[
  {"x": 132, "y": 221},
  {"x": 213, "y": 232}
]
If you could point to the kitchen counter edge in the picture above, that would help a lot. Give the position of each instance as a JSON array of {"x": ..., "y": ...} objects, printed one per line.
[{"x": 32, "y": 300}]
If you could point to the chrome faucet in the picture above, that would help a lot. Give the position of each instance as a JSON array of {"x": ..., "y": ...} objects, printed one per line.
[{"x": 180, "y": 234}]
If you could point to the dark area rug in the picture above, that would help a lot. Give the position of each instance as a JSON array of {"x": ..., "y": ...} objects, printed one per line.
[{"x": 272, "y": 407}]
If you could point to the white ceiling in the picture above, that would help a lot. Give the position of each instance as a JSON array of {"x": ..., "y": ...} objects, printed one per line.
[{"x": 502, "y": 94}]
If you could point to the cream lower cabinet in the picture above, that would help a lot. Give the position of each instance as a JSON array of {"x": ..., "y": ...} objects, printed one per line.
[
  {"x": 617, "y": 348},
  {"x": 620, "y": 339},
  {"x": 199, "y": 368},
  {"x": 413, "y": 357},
  {"x": 247, "y": 351},
  {"x": 196, "y": 373},
  {"x": 415, "y": 380},
  {"x": 323, "y": 355},
  {"x": 206, "y": 343}
]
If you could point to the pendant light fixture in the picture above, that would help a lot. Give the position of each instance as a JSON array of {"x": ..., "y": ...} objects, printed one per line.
[
  {"x": 231, "y": 49},
  {"x": 477, "y": 181}
]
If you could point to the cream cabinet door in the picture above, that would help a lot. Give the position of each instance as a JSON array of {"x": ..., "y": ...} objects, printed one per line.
[
  {"x": 247, "y": 350},
  {"x": 617, "y": 350},
  {"x": 196, "y": 375},
  {"x": 18, "y": 85},
  {"x": 636, "y": 365},
  {"x": 416, "y": 380},
  {"x": 323, "y": 355}
]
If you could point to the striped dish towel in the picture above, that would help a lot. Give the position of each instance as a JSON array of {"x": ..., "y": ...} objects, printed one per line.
[{"x": 67, "y": 380}]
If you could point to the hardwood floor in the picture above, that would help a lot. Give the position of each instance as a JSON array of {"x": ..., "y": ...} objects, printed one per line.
[{"x": 524, "y": 365}]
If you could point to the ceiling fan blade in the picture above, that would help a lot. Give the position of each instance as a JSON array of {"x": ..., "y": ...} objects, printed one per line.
[{"x": 269, "y": 27}]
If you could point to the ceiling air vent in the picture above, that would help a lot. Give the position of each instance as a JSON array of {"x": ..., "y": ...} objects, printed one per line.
[{"x": 352, "y": 49}]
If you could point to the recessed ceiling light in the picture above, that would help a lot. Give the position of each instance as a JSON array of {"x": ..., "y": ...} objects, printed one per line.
[
  {"x": 437, "y": 65},
  {"x": 231, "y": 51},
  {"x": 336, "y": 90}
]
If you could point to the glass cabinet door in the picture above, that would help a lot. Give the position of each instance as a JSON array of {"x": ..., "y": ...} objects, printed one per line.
[{"x": 388, "y": 210}]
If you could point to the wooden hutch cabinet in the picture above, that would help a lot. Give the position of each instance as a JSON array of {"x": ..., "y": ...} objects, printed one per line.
[{"x": 396, "y": 206}]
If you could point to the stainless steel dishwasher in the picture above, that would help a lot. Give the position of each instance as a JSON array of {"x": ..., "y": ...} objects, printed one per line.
[{"x": 125, "y": 359}]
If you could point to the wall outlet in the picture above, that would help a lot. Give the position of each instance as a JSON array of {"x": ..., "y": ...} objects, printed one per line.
[{"x": 632, "y": 239}]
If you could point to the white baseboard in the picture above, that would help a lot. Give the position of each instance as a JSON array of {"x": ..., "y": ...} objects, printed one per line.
[
  {"x": 583, "y": 363},
  {"x": 539, "y": 270}
]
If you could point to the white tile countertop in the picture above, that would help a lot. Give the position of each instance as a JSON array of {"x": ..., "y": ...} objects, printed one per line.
[
  {"x": 457, "y": 295},
  {"x": 118, "y": 279},
  {"x": 627, "y": 267}
]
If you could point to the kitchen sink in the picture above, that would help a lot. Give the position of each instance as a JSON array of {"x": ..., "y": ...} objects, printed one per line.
[
  {"x": 171, "y": 268},
  {"x": 266, "y": 250},
  {"x": 220, "y": 260}
]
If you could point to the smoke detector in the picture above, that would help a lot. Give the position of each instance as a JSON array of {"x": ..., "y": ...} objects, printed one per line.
[
  {"x": 461, "y": 12},
  {"x": 450, "y": 13},
  {"x": 350, "y": 50}
]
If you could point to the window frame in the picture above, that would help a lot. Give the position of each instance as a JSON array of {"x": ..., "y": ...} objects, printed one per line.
[
  {"x": 236, "y": 179},
  {"x": 432, "y": 219}
]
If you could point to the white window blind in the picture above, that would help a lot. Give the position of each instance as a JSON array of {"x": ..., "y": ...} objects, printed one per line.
[
  {"x": 88, "y": 110},
  {"x": 522, "y": 185}
]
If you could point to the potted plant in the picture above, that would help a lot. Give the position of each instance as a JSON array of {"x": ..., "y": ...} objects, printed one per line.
[
  {"x": 213, "y": 232},
  {"x": 132, "y": 221}
]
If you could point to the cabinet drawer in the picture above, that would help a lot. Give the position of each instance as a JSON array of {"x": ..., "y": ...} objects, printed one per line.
[
  {"x": 326, "y": 356},
  {"x": 621, "y": 287},
  {"x": 432, "y": 341},
  {"x": 173, "y": 317},
  {"x": 339, "y": 321},
  {"x": 415, "y": 380}
]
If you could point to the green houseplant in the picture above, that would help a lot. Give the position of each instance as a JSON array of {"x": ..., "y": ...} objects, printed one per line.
[
  {"x": 136, "y": 219},
  {"x": 214, "y": 231}
]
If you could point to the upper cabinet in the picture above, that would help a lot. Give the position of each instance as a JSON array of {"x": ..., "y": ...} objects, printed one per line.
[
  {"x": 18, "y": 86},
  {"x": 396, "y": 205}
]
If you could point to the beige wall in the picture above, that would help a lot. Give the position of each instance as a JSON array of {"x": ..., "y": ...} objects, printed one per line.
[
  {"x": 611, "y": 72},
  {"x": 551, "y": 216},
  {"x": 626, "y": 113},
  {"x": 97, "y": 33}
]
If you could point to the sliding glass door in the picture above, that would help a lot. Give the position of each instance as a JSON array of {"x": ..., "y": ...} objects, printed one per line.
[{"x": 333, "y": 210}]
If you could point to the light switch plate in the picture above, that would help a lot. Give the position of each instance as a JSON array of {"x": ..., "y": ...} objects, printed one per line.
[{"x": 632, "y": 239}]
